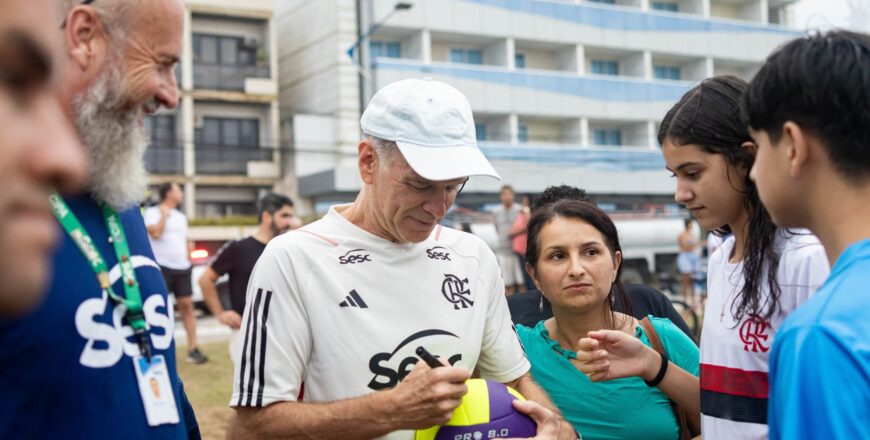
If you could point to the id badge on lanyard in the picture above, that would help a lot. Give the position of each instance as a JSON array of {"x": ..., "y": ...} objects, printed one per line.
[{"x": 152, "y": 372}]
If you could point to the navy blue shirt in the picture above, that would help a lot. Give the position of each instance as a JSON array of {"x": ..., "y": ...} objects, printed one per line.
[{"x": 66, "y": 369}]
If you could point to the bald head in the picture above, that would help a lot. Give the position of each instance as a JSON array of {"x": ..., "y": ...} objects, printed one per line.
[{"x": 119, "y": 67}]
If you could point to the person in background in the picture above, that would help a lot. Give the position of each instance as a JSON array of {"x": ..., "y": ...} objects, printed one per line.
[
  {"x": 531, "y": 306},
  {"x": 503, "y": 217},
  {"x": 167, "y": 231},
  {"x": 238, "y": 259},
  {"x": 575, "y": 258},
  {"x": 39, "y": 152},
  {"x": 518, "y": 239},
  {"x": 757, "y": 277},
  {"x": 688, "y": 261},
  {"x": 808, "y": 108}
]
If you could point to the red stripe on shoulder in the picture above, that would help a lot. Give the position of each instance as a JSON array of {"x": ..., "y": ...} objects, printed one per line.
[
  {"x": 328, "y": 240},
  {"x": 438, "y": 233}
]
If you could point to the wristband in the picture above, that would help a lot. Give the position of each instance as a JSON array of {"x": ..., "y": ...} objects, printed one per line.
[{"x": 661, "y": 375}]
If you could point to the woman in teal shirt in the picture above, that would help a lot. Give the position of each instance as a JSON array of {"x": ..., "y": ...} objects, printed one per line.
[{"x": 574, "y": 257}]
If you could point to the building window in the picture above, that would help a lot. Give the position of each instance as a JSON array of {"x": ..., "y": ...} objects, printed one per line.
[
  {"x": 602, "y": 67},
  {"x": 666, "y": 72},
  {"x": 466, "y": 56},
  {"x": 520, "y": 61},
  {"x": 480, "y": 130},
  {"x": 523, "y": 133},
  {"x": 224, "y": 50},
  {"x": 606, "y": 2},
  {"x": 388, "y": 49},
  {"x": 665, "y": 6},
  {"x": 230, "y": 132},
  {"x": 608, "y": 136},
  {"x": 161, "y": 130}
]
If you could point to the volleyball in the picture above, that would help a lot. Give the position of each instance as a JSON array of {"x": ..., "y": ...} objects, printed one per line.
[{"x": 486, "y": 412}]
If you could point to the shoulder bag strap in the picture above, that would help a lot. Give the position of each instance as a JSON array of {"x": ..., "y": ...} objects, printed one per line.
[{"x": 656, "y": 343}]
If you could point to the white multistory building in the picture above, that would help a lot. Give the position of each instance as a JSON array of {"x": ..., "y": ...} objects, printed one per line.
[
  {"x": 222, "y": 143},
  {"x": 562, "y": 91}
]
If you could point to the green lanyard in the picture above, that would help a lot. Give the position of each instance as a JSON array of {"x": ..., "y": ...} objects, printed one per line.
[{"x": 133, "y": 298}]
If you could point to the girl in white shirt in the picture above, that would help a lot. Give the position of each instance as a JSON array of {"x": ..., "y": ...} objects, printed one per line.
[{"x": 756, "y": 278}]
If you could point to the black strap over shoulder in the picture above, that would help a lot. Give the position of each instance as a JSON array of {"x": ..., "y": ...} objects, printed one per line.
[{"x": 656, "y": 343}]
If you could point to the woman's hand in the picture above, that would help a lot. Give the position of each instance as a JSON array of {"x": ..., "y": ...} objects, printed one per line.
[
  {"x": 613, "y": 354},
  {"x": 550, "y": 425}
]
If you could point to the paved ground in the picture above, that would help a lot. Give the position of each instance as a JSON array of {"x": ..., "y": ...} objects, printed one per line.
[{"x": 208, "y": 330}]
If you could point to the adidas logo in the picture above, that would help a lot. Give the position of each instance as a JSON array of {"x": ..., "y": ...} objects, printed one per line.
[{"x": 353, "y": 300}]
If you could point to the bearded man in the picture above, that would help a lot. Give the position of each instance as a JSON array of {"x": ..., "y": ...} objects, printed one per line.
[{"x": 97, "y": 360}]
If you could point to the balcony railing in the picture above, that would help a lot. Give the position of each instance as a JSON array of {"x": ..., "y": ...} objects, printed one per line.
[
  {"x": 222, "y": 77},
  {"x": 162, "y": 159},
  {"x": 601, "y": 87},
  {"x": 218, "y": 159},
  {"x": 626, "y": 158},
  {"x": 630, "y": 18},
  {"x": 209, "y": 159}
]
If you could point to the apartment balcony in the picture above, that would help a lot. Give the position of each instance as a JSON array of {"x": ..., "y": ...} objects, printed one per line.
[
  {"x": 251, "y": 161},
  {"x": 231, "y": 78},
  {"x": 499, "y": 90},
  {"x": 162, "y": 159},
  {"x": 214, "y": 160},
  {"x": 622, "y": 26},
  {"x": 611, "y": 158}
]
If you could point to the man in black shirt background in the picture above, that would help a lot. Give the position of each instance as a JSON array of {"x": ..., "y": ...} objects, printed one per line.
[
  {"x": 530, "y": 307},
  {"x": 239, "y": 257}
]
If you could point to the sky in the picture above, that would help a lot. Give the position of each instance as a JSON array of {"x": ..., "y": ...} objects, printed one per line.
[{"x": 824, "y": 14}]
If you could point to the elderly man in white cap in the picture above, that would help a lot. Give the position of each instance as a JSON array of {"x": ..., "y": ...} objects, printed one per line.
[{"x": 343, "y": 304}]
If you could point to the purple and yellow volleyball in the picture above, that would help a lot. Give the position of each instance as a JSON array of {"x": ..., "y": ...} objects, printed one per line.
[{"x": 486, "y": 412}]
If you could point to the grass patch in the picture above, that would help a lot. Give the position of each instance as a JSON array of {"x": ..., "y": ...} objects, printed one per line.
[{"x": 209, "y": 387}]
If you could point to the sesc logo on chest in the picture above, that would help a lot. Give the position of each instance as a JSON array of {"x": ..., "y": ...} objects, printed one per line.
[
  {"x": 355, "y": 256},
  {"x": 390, "y": 368},
  {"x": 108, "y": 342}
]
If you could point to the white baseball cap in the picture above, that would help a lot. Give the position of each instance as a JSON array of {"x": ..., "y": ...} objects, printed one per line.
[{"x": 432, "y": 125}]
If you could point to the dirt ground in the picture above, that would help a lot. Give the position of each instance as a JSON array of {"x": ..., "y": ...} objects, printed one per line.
[{"x": 208, "y": 387}]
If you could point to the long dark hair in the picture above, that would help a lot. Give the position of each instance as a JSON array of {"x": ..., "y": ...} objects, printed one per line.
[
  {"x": 598, "y": 219},
  {"x": 709, "y": 116}
]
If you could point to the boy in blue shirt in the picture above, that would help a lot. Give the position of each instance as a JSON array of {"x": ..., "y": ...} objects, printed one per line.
[{"x": 809, "y": 112}]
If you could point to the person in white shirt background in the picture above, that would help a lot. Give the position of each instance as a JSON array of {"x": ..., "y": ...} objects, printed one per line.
[
  {"x": 167, "y": 231},
  {"x": 503, "y": 217}
]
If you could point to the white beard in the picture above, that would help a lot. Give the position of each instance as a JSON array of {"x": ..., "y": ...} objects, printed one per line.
[{"x": 114, "y": 140}]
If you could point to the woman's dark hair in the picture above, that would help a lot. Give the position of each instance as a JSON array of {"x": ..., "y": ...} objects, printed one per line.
[
  {"x": 709, "y": 116},
  {"x": 589, "y": 213}
]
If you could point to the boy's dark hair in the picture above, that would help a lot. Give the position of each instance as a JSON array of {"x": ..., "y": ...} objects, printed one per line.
[
  {"x": 555, "y": 193},
  {"x": 164, "y": 189},
  {"x": 822, "y": 83},
  {"x": 272, "y": 203}
]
